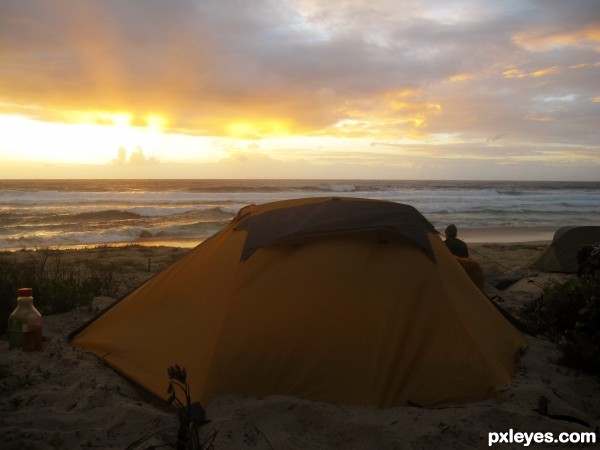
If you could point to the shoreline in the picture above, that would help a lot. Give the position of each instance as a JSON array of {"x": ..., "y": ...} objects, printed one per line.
[
  {"x": 149, "y": 243},
  {"x": 495, "y": 235},
  {"x": 506, "y": 235}
]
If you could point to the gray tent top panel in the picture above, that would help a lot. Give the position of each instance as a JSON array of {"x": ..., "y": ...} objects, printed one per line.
[{"x": 335, "y": 216}]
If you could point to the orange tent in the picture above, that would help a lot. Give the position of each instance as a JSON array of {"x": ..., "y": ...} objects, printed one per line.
[{"x": 341, "y": 300}]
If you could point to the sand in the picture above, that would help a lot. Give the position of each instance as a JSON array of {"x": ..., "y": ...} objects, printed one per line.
[{"x": 64, "y": 398}]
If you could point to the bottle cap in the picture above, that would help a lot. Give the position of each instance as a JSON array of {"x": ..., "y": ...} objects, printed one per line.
[{"x": 25, "y": 292}]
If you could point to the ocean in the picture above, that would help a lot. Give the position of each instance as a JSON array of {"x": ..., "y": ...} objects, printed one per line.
[{"x": 68, "y": 213}]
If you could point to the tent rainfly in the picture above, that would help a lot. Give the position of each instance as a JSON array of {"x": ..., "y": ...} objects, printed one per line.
[
  {"x": 561, "y": 255},
  {"x": 331, "y": 299}
]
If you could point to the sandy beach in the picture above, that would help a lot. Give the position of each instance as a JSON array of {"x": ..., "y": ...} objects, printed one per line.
[{"x": 63, "y": 398}]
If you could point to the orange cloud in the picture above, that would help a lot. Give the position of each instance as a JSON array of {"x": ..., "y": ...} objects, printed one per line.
[
  {"x": 513, "y": 72},
  {"x": 461, "y": 77},
  {"x": 539, "y": 118},
  {"x": 541, "y": 40},
  {"x": 544, "y": 72}
]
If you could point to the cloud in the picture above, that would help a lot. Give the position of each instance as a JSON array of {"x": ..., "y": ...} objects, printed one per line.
[
  {"x": 135, "y": 158},
  {"x": 383, "y": 69}
]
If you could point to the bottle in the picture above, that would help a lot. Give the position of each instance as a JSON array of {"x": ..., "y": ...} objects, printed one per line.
[{"x": 25, "y": 323}]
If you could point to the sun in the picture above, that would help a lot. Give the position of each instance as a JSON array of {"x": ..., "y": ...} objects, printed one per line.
[{"x": 86, "y": 138}]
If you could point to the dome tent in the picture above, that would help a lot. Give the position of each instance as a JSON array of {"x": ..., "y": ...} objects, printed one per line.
[
  {"x": 561, "y": 255},
  {"x": 340, "y": 300}
]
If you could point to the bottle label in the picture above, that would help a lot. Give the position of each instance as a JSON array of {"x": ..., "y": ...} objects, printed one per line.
[{"x": 32, "y": 338}]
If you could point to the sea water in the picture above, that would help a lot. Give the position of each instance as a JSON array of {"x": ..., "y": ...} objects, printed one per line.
[{"x": 54, "y": 213}]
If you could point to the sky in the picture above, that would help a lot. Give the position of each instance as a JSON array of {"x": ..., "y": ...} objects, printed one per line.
[{"x": 377, "y": 89}]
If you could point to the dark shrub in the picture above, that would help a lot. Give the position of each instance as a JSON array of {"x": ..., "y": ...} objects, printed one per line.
[{"x": 569, "y": 314}]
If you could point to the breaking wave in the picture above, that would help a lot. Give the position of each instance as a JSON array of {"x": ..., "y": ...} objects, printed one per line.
[{"x": 59, "y": 212}]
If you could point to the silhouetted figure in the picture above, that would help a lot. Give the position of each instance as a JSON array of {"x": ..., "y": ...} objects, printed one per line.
[{"x": 455, "y": 245}]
